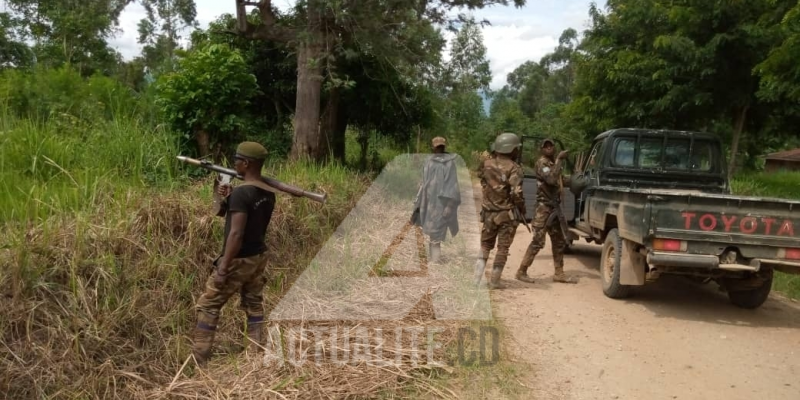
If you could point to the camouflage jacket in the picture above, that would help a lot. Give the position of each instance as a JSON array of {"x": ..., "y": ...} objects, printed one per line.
[
  {"x": 501, "y": 179},
  {"x": 482, "y": 157},
  {"x": 548, "y": 173}
]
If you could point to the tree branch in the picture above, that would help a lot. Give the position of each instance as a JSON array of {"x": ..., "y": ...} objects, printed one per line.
[{"x": 268, "y": 29}]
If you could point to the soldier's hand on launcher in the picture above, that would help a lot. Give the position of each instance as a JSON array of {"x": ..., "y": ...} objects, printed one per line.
[{"x": 224, "y": 190}]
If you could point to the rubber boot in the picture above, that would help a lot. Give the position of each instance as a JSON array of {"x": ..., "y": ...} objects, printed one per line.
[
  {"x": 561, "y": 277},
  {"x": 522, "y": 274},
  {"x": 480, "y": 268},
  {"x": 436, "y": 253},
  {"x": 204, "y": 334},
  {"x": 254, "y": 338},
  {"x": 495, "y": 282},
  {"x": 527, "y": 261}
]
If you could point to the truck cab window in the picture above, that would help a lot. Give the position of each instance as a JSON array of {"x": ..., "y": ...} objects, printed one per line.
[
  {"x": 650, "y": 152},
  {"x": 624, "y": 152},
  {"x": 702, "y": 155},
  {"x": 676, "y": 154}
]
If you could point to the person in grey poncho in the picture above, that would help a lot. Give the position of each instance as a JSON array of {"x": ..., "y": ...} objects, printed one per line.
[{"x": 438, "y": 198}]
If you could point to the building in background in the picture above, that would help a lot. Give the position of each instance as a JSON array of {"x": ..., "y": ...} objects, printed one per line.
[{"x": 788, "y": 160}]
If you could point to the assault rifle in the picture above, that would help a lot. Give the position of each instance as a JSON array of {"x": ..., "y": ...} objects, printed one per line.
[
  {"x": 519, "y": 217},
  {"x": 273, "y": 183}
]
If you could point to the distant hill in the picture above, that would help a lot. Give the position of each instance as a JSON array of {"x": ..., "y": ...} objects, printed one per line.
[{"x": 487, "y": 102}]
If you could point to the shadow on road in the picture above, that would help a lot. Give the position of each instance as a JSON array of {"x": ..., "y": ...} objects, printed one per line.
[{"x": 680, "y": 298}]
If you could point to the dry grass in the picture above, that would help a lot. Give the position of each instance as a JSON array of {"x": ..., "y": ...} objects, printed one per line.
[{"x": 100, "y": 305}]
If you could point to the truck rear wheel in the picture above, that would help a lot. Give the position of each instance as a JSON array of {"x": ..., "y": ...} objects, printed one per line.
[
  {"x": 752, "y": 298},
  {"x": 610, "y": 261}
]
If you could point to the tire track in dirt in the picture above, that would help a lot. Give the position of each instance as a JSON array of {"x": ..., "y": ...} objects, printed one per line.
[{"x": 672, "y": 339}]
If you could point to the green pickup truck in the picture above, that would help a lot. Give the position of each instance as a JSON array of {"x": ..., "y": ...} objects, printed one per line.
[{"x": 659, "y": 202}]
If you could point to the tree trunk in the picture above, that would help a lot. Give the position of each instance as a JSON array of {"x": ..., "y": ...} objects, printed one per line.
[
  {"x": 419, "y": 136},
  {"x": 334, "y": 126},
  {"x": 328, "y": 123},
  {"x": 278, "y": 115},
  {"x": 737, "y": 134},
  {"x": 363, "y": 140},
  {"x": 203, "y": 140},
  {"x": 340, "y": 134},
  {"x": 305, "y": 143}
]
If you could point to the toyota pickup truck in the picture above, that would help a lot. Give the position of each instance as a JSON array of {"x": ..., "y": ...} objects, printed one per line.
[{"x": 659, "y": 202}]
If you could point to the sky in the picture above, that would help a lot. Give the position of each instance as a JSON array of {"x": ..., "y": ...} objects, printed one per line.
[{"x": 515, "y": 35}]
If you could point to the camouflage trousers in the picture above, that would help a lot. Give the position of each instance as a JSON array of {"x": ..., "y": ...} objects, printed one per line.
[
  {"x": 498, "y": 228},
  {"x": 557, "y": 242},
  {"x": 245, "y": 276}
]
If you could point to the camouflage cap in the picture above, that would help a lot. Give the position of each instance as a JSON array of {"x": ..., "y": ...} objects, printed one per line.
[
  {"x": 251, "y": 150},
  {"x": 439, "y": 141},
  {"x": 548, "y": 140}
]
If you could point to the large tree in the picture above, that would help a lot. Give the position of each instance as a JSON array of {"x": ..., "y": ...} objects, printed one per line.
[
  {"x": 71, "y": 32},
  {"x": 13, "y": 51},
  {"x": 536, "y": 94},
  {"x": 465, "y": 75},
  {"x": 323, "y": 28},
  {"x": 160, "y": 31},
  {"x": 468, "y": 69},
  {"x": 692, "y": 68}
]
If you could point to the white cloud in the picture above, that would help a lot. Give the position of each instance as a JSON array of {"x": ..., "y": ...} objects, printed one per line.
[
  {"x": 126, "y": 41},
  {"x": 509, "y": 46}
]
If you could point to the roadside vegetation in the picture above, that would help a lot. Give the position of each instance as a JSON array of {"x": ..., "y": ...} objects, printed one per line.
[
  {"x": 773, "y": 184},
  {"x": 106, "y": 238}
]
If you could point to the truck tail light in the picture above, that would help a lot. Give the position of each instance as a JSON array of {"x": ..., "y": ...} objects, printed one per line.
[
  {"x": 669, "y": 245},
  {"x": 791, "y": 254}
]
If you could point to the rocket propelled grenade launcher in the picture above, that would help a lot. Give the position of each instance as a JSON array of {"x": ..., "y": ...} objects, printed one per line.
[{"x": 283, "y": 187}]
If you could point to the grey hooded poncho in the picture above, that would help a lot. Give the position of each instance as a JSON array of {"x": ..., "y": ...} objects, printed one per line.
[{"x": 439, "y": 187}]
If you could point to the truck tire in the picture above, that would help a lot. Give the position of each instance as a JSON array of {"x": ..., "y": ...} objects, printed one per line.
[
  {"x": 609, "y": 267},
  {"x": 754, "y": 298}
]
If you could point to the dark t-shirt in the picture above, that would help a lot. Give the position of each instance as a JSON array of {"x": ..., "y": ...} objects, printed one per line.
[{"x": 258, "y": 204}]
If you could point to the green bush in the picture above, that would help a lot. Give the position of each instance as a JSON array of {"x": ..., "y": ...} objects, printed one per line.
[{"x": 62, "y": 95}]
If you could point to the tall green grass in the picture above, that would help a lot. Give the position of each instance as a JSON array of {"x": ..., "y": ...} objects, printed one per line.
[
  {"x": 782, "y": 184},
  {"x": 47, "y": 168}
]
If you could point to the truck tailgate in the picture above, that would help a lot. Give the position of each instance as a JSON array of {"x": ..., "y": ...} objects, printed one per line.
[{"x": 763, "y": 228}]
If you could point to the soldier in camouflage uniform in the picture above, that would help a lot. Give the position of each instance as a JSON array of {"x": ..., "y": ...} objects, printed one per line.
[
  {"x": 501, "y": 179},
  {"x": 485, "y": 155},
  {"x": 240, "y": 268},
  {"x": 548, "y": 199}
]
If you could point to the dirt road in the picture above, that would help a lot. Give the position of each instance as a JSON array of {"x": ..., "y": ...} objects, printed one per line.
[{"x": 672, "y": 340}]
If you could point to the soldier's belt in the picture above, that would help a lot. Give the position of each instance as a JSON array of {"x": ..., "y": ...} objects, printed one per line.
[{"x": 498, "y": 211}]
